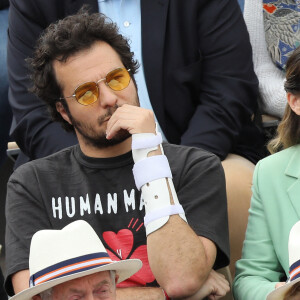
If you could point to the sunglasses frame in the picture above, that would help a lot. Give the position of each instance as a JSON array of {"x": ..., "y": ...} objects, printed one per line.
[{"x": 97, "y": 84}]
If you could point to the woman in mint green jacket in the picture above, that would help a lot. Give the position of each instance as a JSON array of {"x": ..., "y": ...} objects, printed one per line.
[{"x": 275, "y": 203}]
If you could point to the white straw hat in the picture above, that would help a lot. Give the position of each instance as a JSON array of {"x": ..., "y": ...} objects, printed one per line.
[
  {"x": 57, "y": 256},
  {"x": 294, "y": 262}
]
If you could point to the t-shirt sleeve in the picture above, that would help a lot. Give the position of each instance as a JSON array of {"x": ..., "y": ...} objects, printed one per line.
[
  {"x": 25, "y": 214},
  {"x": 200, "y": 184}
]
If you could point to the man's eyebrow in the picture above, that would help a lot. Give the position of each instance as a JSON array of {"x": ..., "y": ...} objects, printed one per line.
[
  {"x": 105, "y": 281},
  {"x": 75, "y": 290},
  {"x": 97, "y": 285}
]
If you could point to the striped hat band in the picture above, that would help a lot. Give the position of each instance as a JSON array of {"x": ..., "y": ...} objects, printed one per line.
[{"x": 70, "y": 266}]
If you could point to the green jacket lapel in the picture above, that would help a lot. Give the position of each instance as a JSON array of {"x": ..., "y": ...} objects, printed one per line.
[{"x": 293, "y": 170}]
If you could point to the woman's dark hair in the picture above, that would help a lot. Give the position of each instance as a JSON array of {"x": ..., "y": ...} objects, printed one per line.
[
  {"x": 288, "y": 131},
  {"x": 65, "y": 38}
]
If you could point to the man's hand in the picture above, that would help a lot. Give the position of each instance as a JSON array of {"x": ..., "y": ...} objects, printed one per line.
[
  {"x": 134, "y": 119},
  {"x": 215, "y": 287}
]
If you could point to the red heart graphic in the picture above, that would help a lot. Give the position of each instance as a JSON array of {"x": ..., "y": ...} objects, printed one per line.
[
  {"x": 134, "y": 280},
  {"x": 145, "y": 272},
  {"x": 121, "y": 243},
  {"x": 144, "y": 275}
]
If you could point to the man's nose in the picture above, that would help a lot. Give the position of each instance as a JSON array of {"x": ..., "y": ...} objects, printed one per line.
[{"x": 107, "y": 97}]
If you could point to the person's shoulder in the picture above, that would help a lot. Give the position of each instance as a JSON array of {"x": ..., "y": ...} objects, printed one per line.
[
  {"x": 171, "y": 148},
  {"x": 278, "y": 162},
  {"x": 181, "y": 153},
  {"x": 55, "y": 160},
  {"x": 280, "y": 158}
]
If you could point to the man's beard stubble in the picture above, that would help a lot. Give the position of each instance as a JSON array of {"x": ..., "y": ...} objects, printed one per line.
[{"x": 98, "y": 139}]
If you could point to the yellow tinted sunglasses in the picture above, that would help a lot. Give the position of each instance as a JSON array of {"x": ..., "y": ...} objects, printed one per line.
[{"x": 88, "y": 92}]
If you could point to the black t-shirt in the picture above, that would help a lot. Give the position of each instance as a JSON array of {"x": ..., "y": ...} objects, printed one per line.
[{"x": 53, "y": 191}]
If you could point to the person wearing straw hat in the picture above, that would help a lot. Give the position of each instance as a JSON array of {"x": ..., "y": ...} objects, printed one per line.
[
  {"x": 275, "y": 206},
  {"x": 164, "y": 204},
  {"x": 73, "y": 263}
]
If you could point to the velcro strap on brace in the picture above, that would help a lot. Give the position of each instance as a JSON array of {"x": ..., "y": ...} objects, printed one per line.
[
  {"x": 143, "y": 143},
  {"x": 145, "y": 140},
  {"x": 151, "y": 168},
  {"x": 163, "y": 212}
]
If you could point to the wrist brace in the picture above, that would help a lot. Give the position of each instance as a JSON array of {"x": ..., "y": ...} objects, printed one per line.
[{"x": 153, "y": 176}]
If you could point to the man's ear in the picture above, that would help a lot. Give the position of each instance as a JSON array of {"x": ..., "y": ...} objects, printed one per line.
[
  {"x": 60, "y": 108},
  {"x": 294, "y": 102}
]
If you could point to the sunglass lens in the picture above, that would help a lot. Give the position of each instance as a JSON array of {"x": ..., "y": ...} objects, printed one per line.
[
  {"x": 87, "y": 93},
  {"x": 118, "y": 79}
]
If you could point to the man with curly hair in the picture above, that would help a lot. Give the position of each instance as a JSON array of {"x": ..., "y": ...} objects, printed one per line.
[{"x": 164, "y": 204}]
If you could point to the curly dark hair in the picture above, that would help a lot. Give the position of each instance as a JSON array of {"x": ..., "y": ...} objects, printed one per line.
[{"x": 65, "y": 38}]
